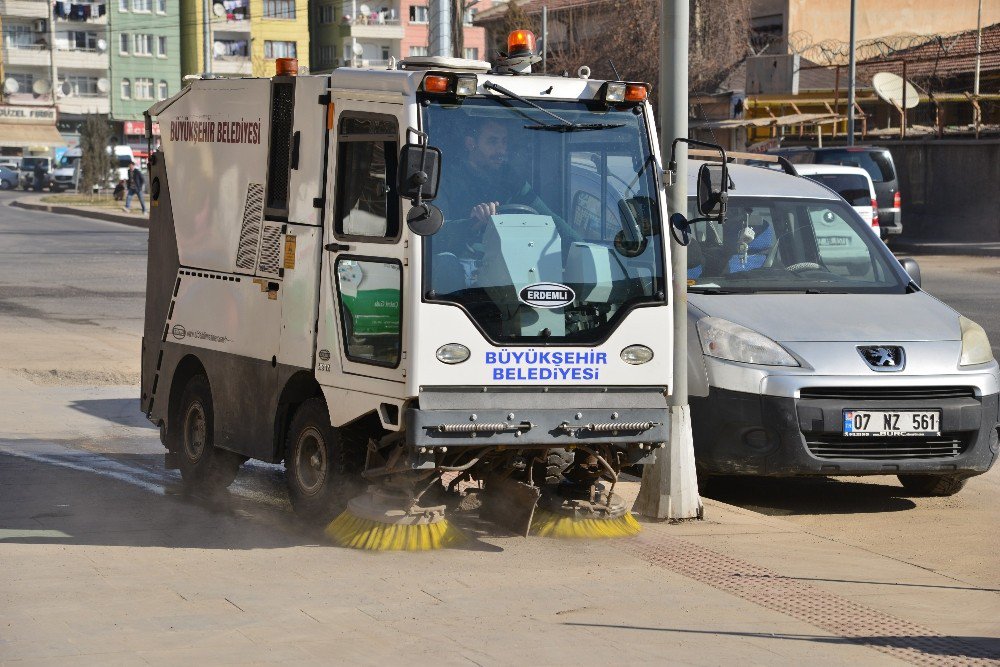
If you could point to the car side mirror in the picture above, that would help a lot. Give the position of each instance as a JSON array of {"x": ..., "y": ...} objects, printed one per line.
[
  {"x": 911, "y": 267},
  {"x": 712, "y": 191},
  {"x": 419, "y": 172}
]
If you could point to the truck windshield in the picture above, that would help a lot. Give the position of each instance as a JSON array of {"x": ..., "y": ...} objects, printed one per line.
[
  {"x": 549, "y": 237},
  {"x": 789, "y": 245}
]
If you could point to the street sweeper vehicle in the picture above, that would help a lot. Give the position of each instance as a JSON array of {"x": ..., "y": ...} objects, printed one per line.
[{"x": 407, "y": 283}]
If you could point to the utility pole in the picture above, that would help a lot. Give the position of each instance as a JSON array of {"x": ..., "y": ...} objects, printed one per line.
[
  {"x": 545, "y": 40},
  {"x": 669, "y": 487},
  {"x": 979, "y": 47},
  {"x": 206, "y": 35},
  {"x": 852, "y": 77}
]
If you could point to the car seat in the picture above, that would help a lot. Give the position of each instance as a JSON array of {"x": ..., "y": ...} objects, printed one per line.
[{"x": 757, "y": 251}]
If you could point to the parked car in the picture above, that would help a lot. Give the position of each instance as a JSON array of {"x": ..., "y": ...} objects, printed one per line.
[
  {"x": 814, "y": 357},
  {"x": 66, "y": 174},
  {"x": 9, "y": 163},
  {"x": 26, "y": 171},
  {"x": 874, "y": 160},
  {"x": 8, "y": 178},
  {"x": 852, "y": 183}
]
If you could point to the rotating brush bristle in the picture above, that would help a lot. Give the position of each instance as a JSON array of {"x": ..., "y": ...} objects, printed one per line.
[
  {"x": 551, "y": 524},
  {"x": 355, "y": 532}
]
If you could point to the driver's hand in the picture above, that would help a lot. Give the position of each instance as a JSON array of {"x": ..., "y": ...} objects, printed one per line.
[{"x": 481, "y": 212}]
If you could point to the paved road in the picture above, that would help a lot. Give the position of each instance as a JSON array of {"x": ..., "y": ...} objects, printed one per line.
[{"x": 105, "y": 561}]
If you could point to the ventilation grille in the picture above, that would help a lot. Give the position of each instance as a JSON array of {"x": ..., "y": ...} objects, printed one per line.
[
  {"x": 887, "y": 393},
  {"x": 270, "y": 251},
  {"x": 948, "y": 446},
  {"x": 282, "y": 111},
  {"x": 253, "y": 214}
]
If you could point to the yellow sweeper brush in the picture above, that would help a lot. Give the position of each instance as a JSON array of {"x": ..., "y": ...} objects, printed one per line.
[
  {"x": 377, "y": 521},
  {"x": 552, "y": 524}
]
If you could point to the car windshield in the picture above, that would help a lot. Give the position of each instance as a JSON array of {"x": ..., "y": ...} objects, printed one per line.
[
  {"x": 124, "y": 160},
  {"x": 878, "y": 164},
  {"x": 852, "y": 187},
  {"x": 68, "y": 160},
  {"x": 30, "y": 162},
  {"x": 549, "y": 236},
  {"x": 788, "y": 245}
]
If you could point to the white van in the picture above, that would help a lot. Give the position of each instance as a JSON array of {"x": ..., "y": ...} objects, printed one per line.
[
  {"x": 67, "y": 172},
  {"x": 812, "y": 351},
  {"x": 852, "y": 183}
]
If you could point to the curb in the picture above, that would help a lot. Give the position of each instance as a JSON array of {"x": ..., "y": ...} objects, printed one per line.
[{"x": 129, "y": 220}]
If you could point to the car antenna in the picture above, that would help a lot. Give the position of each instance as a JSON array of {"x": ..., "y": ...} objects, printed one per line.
[{"x": 618, "y": 77}]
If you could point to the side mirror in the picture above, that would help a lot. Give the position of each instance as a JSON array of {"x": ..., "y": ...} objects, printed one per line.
[
  {"x": 419, "y": 172},
  {"x": 712, "y": 195},
  {"x": 911, "y": 267}
]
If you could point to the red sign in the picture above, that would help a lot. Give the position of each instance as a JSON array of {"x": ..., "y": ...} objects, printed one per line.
[{"x": 139, "y": 127}]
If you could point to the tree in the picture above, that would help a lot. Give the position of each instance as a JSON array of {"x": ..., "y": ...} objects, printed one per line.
[{"x": 95, "y": 161}]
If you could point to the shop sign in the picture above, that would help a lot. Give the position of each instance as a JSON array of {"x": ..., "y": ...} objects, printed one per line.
[{"x": 25, "y": 114}]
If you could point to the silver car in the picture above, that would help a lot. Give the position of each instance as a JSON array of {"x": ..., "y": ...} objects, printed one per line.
[{"x": 814, "y": 352}]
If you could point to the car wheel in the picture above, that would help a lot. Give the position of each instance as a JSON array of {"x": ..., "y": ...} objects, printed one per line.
[
  {"x": 320, "y": 481},
  {"x": 933, "y": 485},
  {"x": 203, "y": 466}
]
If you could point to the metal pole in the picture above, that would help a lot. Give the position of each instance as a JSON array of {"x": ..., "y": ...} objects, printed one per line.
[
  {"x": 545, "y": 41},
  {"x": 206, "y": 35},
  {"x": 669, "y": 487},
  {"x": 851, "y": 76},
  {"x": 979, "y": 47}
]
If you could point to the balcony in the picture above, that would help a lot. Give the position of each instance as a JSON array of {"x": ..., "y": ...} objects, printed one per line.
[
  {"x": 241, "y": 65},
  {"x": 82, "y": 59},
  {"x": 36, "y": 55},
  {"x": 35, "y": 9},
  {"x": 82, "y": 104},
  {"x": 222, "y": 24},
  {"x": 360, "y": 62},
  {"x": 371, "y": 27},
  {"x": 82, "y": 14}
]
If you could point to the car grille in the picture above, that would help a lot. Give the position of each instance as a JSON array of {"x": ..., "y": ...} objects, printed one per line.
[
  {"x": 835, "y": 446},
  {"x": 886, "y": 393}
]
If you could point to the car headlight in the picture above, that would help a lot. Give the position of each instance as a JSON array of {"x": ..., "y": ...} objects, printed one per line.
[
  {"x": 728, "y": 340},
  {"x": 975, "y": 344}
]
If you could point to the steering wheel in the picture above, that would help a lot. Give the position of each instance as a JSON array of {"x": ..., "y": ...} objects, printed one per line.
[
  {"x": 516, "y": 208},
  {"x": 803, "y": 266}
]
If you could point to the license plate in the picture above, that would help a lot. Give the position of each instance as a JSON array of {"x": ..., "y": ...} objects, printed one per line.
[
  {"x": 861, "y": 423},
  {"x": 833, "y": 240}
]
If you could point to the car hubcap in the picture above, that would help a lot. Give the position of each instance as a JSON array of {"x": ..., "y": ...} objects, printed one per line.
[
  {"x": 195, "y": 431},
  {"x": 310, "y": 460}
]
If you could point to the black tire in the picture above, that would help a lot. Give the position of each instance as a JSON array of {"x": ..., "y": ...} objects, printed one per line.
[
  {"x": 204, "y": 467},
  {"x": 932, "y": 485},
  {"x": 319, "y": 474},
  {"x": 6, "y": 185}
]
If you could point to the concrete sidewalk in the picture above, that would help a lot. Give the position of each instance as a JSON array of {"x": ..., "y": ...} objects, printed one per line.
[
  {"x": 104, "y": 560},
  {"x": 134, "y": 219}
]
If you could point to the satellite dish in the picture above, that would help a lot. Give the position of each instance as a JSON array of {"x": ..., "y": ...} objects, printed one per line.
[
  {"x": 11, "y": 86},
  {"x": 364, "y": 10},
  {"x": 102, "y": 45},
  {"x": 219, "y": 10},
  {"x": 103, "y": 86},
  {"x": 358, "y": 50},
  {"x": 41, "y": 87},
  {"x": 889, "y": 87},
  {"x": 65, "y": 88},
  {"x": 219, "y": 49}
]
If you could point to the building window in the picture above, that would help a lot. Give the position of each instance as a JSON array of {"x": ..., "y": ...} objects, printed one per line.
[
  {"x": 161, "y": 47},
  {"x": 142, "y": 5},
  {"x": 326, "y": 55},
  {"x": 123, "y": 43},
  {"x": 123, "y": 5},
  {"x": 385, "y": 53},
  {"x": 143, "y": 45},
  {"x": 471, "y": 54},
  {"x": 161, "y": 6},
  {"x": 82, "y": 86},
  {"x": 418, "y": 14},
  {"x": 24, "y": 81},
  {"x": 327, "y": 14},
  {"x": 161, "y": 92},
  {"x": 82, "y": 41},
  {"x": 419, "y": 51},
  {"x": 279, "y": 9},
  {"x": 279, "y": 50},
  {"x": 469, "y": 16},
  {"x": 143, "y": 88},
  {"x": 16, "y": 35},
  {"x": 126, "y": 89}
]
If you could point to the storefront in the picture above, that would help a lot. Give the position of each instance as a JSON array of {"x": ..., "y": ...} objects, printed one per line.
[
  {"x": 28, "y": 130},
  {"x": 134, "y": 135}
]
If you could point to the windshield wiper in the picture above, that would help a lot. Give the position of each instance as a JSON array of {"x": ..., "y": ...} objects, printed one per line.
[
  {"x": 718, "y": 290},
  {"x": 567, "y": 126}
]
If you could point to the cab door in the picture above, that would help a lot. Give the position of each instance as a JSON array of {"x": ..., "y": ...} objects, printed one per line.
[{"x": 364, "y": 260}]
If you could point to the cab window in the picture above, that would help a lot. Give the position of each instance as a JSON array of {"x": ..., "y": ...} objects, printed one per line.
[{"x": 367, "y": 207}]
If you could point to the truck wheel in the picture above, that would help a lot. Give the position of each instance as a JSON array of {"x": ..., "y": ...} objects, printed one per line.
[
  {"x": 319, "y": 483},
  {"x": 203, "y": 465},
  {"x": 932, "y": 485}
]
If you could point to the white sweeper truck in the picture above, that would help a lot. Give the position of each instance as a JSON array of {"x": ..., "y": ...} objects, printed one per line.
[{"x": 409, "y": 282}]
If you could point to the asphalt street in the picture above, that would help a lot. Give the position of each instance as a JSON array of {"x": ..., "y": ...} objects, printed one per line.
[{"x": 105, "y": 560}]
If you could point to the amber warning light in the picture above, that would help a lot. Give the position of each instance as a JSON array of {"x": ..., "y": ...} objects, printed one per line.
[
  {"x": 286, "y": 67},
  {"x": 520, "y": 42}
]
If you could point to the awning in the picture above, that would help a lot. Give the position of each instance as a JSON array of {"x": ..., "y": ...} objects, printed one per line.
[
  {"x": 17, "y": 135},
  {"x": 791, "y": 119}
]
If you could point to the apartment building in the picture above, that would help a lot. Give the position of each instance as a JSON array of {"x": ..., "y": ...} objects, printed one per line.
[
  {"x": 367, "y": 33},
  {"x": 246, "y": 36}
]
